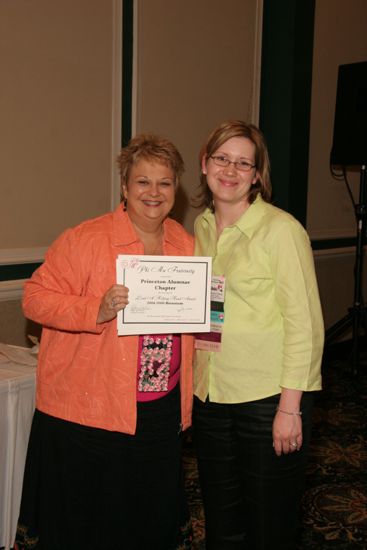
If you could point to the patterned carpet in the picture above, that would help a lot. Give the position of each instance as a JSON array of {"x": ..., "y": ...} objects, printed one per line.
[{"x": 334, "y": 506}]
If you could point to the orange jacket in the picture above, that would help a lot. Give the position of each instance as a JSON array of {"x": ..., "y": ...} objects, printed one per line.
[{"x": 86, "y": 373}]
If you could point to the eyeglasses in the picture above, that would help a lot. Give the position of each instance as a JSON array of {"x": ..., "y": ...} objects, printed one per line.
[{"x": 241, "y": 165}]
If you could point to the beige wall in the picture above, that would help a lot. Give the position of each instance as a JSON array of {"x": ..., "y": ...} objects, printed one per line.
[
  {"x": 340, "y": 38},
  {"x": 192, "y": 71},
  {"x": 197, "y": 64},
  {"x": 60, "y": 113},
  {"x": 56, "y": 117}
]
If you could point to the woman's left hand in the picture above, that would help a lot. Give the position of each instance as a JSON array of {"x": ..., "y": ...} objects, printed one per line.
[
  {"x": 287, "y": 433},
  {"x": 287, "y": 424}
]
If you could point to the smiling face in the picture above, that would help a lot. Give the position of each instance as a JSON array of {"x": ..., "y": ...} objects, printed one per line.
[
  {"x": 229, "y": 185},
  {"x": 150, "y": 191}
]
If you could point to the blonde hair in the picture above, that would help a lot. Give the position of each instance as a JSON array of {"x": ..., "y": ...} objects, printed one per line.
[{"x": 150, "y": 147}]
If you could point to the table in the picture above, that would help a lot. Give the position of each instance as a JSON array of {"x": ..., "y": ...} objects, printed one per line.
[{"x": 17, "y": 401}]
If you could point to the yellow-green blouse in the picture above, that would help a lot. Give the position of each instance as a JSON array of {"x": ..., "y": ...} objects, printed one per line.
[{"x": 273, "y": 328}]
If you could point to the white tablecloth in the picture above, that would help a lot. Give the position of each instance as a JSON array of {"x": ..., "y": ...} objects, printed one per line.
[{"x": 17, "y": 401}]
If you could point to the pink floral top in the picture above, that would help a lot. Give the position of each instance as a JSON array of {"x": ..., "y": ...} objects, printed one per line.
[{"x": 159, "y": 359}]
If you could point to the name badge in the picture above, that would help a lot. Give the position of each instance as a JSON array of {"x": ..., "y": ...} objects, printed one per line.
[{"x": 212, "y": 341}]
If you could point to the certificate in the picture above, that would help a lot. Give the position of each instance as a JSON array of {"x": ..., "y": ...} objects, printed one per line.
[{"x": 167, "y": 294}]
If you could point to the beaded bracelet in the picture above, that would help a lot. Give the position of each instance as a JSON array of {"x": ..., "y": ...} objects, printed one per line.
[{"x": 299, "y": 413}]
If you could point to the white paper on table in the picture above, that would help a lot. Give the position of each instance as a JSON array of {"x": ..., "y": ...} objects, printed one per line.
[{"x": 22, "y": 356}]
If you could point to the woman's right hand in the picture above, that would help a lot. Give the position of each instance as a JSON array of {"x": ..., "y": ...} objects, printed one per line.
[{"x": 114, "y": 299}]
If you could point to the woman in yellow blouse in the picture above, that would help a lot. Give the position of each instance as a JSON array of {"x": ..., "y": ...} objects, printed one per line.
[{"x": 253, "y": 388}]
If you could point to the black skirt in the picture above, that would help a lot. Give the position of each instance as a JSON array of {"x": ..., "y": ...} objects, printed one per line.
[{"x": 87, "y": 488}]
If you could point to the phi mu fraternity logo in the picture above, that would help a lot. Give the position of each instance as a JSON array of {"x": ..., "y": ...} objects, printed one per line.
[{"x": 130, "y": 263}]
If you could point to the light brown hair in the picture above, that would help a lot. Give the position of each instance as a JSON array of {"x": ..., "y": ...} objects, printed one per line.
[{"x": 221, "y": 134}]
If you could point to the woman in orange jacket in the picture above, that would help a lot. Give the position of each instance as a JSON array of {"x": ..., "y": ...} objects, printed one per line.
[{"x": 103, "y": 467}]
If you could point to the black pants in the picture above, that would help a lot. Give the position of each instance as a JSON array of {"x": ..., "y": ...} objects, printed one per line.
[
  {"x": 251, "y": 496},
  {"x": 91, "y": 489}
]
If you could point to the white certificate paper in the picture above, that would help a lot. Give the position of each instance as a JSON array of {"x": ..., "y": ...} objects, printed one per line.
[{"x": 167, "y": 294}]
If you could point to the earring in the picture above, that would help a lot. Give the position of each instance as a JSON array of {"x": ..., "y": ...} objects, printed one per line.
[{"x": 125, "y": 204}]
